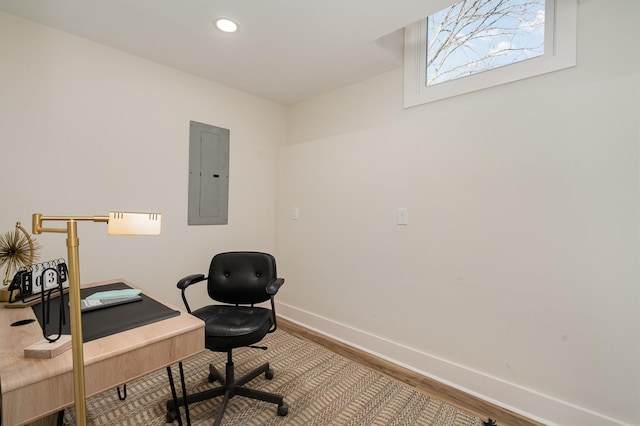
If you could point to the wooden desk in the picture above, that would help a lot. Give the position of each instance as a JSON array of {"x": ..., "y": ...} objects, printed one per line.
[{"x": 34, "y": 388}]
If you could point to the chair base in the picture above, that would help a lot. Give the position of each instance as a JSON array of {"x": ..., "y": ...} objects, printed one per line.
[{"x": 229, "y": 389}]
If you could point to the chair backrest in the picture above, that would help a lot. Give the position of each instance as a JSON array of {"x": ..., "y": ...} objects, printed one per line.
[{"x": 241, "y": 277}]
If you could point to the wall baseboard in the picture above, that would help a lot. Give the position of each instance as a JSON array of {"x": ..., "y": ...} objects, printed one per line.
[{"x": 475, "y": 392}]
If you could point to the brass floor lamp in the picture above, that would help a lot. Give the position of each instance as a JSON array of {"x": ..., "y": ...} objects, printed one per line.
[{"x": 119, "y": 223}]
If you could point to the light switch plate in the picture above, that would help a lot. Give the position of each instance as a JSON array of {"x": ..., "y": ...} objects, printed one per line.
[{"x": 403, "y": 216}]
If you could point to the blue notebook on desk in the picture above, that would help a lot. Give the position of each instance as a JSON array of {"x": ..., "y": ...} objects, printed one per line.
[{"x": 87, "y": 305}]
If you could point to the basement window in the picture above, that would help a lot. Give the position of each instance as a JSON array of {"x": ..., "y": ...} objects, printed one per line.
[{"x": 476, "y": 44}]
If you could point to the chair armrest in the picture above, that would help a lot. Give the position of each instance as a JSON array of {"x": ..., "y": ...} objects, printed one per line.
[
  {"x": 186, "y": 282},
  {"x": 274, "y": 285},
  {"x": 190, "y": 279}
]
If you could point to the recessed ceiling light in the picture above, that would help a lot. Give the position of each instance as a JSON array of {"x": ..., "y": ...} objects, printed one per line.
[{"x": 226, "y": 25}]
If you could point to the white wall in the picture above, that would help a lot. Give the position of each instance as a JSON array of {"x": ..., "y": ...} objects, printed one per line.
[
  {"x": 517, "y": 276},
  {"x": 85, "y": 129}
]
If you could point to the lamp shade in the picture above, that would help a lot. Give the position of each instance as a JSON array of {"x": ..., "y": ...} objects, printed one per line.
[{"x": 127, "y": 223}]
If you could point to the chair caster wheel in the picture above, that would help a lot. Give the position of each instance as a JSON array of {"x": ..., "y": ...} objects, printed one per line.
[
  {"x": 212, "y": 378},
  {"x": 268, "y": 374},
  {"x": 283, "y": 409},
  {"x": 171, "y": 416}
]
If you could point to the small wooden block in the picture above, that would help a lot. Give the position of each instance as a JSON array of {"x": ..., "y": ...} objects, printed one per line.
[
  {"x": 44, "y": 349},
  {"x": 4, "y": 294}
]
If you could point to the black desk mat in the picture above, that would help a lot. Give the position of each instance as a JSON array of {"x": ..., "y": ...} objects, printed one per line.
[{"x": 107, "y": 321}]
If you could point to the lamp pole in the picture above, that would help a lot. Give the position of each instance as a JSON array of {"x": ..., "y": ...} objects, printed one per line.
[
  {"x": 75, "y": 314},
  {"x": 119, "y": 223},
  {"x": 76, "y": 322}
]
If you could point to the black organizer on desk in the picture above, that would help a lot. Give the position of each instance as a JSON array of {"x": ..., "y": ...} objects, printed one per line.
[{"x": 111, "y": 320}]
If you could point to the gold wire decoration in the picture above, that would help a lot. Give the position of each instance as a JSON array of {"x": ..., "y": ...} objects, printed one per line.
[{"x": 17, "y": 249}]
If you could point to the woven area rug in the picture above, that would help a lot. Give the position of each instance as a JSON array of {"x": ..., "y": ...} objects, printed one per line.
[{"x": 321, "y": 388}]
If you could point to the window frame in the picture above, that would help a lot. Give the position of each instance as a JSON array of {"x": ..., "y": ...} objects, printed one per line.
[{"x": 560, "y": 53}]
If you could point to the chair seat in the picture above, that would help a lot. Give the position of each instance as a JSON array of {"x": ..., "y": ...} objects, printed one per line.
[{"x": 228, "y": 327}]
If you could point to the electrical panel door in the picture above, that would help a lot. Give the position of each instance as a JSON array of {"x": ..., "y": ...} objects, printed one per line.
[{"x": 208, "y": 175}]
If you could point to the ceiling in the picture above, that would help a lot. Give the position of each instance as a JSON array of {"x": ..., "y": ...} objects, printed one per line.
[{"x": 285, "y": 50}]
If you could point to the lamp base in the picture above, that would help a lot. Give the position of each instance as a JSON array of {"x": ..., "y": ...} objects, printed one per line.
[{"x": 45, "y": 349}]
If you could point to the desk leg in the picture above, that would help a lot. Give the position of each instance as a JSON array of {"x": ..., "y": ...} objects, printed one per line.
[
  {"x": 174, "y": 395},
  {"x": 184, "y": 395}
]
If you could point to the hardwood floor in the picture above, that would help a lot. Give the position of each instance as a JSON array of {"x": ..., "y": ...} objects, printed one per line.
[{"x": 430, "y": 387}]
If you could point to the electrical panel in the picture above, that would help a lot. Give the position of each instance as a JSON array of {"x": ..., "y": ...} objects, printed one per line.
[{"x": 208, "y": 175}]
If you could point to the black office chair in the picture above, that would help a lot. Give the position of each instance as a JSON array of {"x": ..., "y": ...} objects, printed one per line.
[{"x": 240, "y": 280}]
